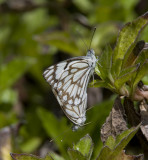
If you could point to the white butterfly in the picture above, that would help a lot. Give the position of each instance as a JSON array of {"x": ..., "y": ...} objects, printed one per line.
[{"x": 69, "y": 80}]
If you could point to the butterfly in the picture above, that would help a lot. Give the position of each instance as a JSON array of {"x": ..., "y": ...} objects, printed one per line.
[{"x": 69, "y": 80}]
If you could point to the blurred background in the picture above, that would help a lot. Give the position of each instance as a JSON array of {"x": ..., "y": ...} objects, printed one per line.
[{"x": 35, "y": 34}]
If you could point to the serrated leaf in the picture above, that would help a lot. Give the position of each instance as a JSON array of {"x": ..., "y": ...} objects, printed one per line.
[
  {"x": 119, "y": 144},
  {"x": 128, "y": 70},
  {"x": 85, "y": 146},
  {"x": 126, "y": 134},
  {"x": 123, "y": 140},
  {"x": 119, "y": 82},
  {"x": 74, "y": 154},
  {"x": 142, "y": 71},
  {"x": 28, "y": 157},
  {"x": 104, "y": 153},
  {"x": 10, "y": 72},
  {"x": 128, "y": 35}
]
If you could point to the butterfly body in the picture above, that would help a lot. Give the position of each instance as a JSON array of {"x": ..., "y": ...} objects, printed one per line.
[{"x": 68, "y": 80}]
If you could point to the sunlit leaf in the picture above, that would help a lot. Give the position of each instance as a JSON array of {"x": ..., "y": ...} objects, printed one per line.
[
  {"x": 85, "y": 146},
  {"x": 128, "y": 35},
  {"x": 28, "y": 157}
]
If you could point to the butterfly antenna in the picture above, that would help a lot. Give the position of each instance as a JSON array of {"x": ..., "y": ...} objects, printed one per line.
[
  {"x": 60, "y": 135},
  {"x": 87, "y": 123},
  {"x": 89, "y": 108},
  {"x": 82, "y": 40},
  {"x": 94, "y": 30}
]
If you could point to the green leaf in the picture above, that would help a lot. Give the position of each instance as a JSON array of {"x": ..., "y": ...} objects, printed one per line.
[
  {"x": 142, "y": 71},
  {"x": 128, "y": 70},
  {"x": 105, "y": 63},
  {"x": 8, "y": 96},
  {"x": 116, "y": 68},
  {"x": 74, "y": 154},
  {"x": 28, "y": 157},
  {"x": 142, "y": 57},
  {"x": 13, "y": 71},
  {"x": 56, "y": 156},
  {"x": 128, "y": 35},
  {"x": 110, "y": 142},
  {"x": 123, "y": 139},
  {"x": 120, "y": 81},
  {"x": 82, "y": 150},
  {"x": 105, "y": 153},
  {"x": 31, "y": 145},
  {"x": 99, "y": 83},
  {"x": 133, "y": 55},
  {"x": 85, "y": 146},
  {"x": 113, "y": 148}
]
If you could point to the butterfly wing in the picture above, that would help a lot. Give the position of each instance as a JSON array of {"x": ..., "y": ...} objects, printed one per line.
[{"x": 69, "y": 80}]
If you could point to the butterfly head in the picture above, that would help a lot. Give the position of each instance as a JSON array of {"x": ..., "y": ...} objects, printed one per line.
[{"x": 90, "y": 52}]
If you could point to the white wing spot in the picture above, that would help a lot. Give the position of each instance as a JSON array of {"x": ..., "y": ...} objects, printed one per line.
[
  {"x": 49, "y": 73},
  {"x": 55, "y": 85},
  {"x": 62, "y": 64},
  {"x": 67, "y": 78},
  {"x": 45, "y": 72},
  {"x": 80, "y": 65},
  {"x": 70, "y": 89},
  {"x": 70, "y": 101},
  {"x": 51, "y": 81},
  {"x": 66, "y": 85},
  {"x": 64, "y": 74},
  {"x": 78, "y": 75},
  {"x": 79, "y": 90},
  {"x": 74, "y": 70},
  {"x": 79, "y": 120},
  {"x": 68, "y": 106},
  {"x": 65, "y": 98},
  {"x": 59, "y": 85},
  {"x": 77, "y": 101},
  {"x": 51, "y": 67},
  {"x": 82, "y": 81},
  {"x": 71, "y": 113},
  {"x": 60, "y": 93},
  {"x": 59, "y": 71},
  {"x": 74, "y": 91},
  {"x": 49, "y": 78},
  {"x": 76, "y": 109}
]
